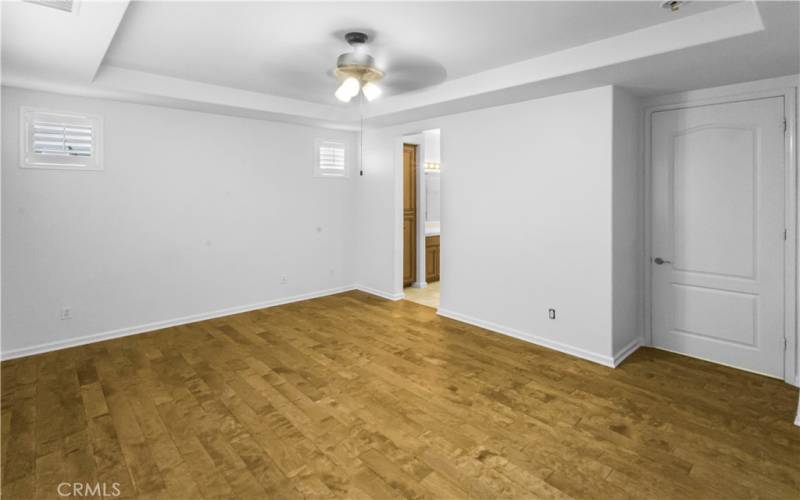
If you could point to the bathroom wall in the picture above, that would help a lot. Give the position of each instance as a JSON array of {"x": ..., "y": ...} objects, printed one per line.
[
  {"x": 433, "y": 197},
  {"x": 432, "y": 177}
]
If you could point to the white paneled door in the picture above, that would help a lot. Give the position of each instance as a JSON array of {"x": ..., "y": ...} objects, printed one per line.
[{"x": 718, "y": 233}]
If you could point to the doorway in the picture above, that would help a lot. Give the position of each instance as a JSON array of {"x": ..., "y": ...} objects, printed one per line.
[
  {"x": 421, "y": 218},
  {"x": 718, "y": 239}
]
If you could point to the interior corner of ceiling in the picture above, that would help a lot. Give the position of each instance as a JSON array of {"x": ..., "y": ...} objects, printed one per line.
[
  {"x": 112, "y": 33},
  {"x": 756, "y": 12}
]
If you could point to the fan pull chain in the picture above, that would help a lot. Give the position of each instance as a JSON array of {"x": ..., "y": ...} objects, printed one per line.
[{"x": 361, "y": 112}]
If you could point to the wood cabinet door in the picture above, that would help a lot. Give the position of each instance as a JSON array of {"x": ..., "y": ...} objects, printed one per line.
[
  {"x": 409, "y": 177},
  {"x": 430, "y": 263},
  {"x": 409, "y": 250},
  {"x": 432, "y": 258},
  {"x": 436, "y": 253},
  {"x": 409, "y": 214}
]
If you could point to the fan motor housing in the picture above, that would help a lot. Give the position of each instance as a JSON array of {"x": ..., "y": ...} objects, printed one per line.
[
  {"x": 358, "y": 63},
  {"x": 360, "y": 66}
]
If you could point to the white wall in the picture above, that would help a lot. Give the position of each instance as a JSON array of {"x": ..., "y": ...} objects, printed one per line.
[
  {"x": 432, "y": 146},
  {"x": 526, "y": 218},
  {"x": 432, "y": 185},
  {"x": 194, "y": 214},
  {"x": 628, "y": 222}
]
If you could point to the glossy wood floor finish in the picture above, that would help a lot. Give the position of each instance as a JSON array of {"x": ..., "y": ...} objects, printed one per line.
[{"x": 352, "y": 396}]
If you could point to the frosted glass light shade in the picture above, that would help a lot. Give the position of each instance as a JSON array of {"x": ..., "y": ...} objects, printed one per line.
[
  {"x": 348, "y": 89},
  {"x": 371, "y": 91}
]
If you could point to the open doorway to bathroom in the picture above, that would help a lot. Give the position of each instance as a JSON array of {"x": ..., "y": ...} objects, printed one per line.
[{"x": 422, "y": 217}]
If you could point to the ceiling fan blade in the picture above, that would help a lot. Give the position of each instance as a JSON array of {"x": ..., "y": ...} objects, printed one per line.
[{"x": 406, "y": 73}]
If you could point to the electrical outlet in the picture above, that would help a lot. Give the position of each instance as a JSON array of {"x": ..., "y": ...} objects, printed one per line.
[
  {"x": 66, "y": 313},
  {"x": 551, "y": 313},
  {"x": 284, "y": 280}
]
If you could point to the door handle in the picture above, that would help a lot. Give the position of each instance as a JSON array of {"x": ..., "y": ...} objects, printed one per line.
[{"x": 659, "y": 261}]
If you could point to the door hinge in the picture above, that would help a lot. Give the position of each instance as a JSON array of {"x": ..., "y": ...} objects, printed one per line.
[
  {"x": 785, "y": 343},
  {"x": 785, "y": 233},
  {"x": 785, "y": 126}
]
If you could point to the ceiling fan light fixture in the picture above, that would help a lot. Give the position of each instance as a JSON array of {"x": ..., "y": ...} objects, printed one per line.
[
  {"x": 356, "y": 70},
  {"x": 371, "y": 91},
  {"x": 348, "y": 89}
]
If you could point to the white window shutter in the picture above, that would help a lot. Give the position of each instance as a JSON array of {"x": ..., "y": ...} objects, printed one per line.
[
  {"x": 331, "y": 159},
  {"x": 60, "y": 140}
]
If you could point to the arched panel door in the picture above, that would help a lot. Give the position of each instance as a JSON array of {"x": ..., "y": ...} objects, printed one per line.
[{"x": 718, "y": 233}]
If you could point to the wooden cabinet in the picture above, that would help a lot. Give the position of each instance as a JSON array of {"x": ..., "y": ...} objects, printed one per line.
[
  {"x": 410, "y": 177},
  {"x": 432, "y": 258},
  {"x": 409, "y": 214},
  {"x": 409, "y": 250}
]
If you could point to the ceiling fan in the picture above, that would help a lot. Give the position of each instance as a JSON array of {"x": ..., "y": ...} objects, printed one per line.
[{"x": 356, "y": 70}]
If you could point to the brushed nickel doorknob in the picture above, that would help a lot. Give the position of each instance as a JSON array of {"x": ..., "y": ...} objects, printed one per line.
[{"x": 659, "y": 261}]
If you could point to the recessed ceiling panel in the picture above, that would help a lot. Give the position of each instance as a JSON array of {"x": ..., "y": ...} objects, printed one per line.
[{"x": 289, "y": 48}]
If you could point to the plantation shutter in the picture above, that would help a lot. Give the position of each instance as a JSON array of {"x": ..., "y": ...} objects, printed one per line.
[
  {"x": 331, "y": 159},
  {"x": 60, "y": 139}
]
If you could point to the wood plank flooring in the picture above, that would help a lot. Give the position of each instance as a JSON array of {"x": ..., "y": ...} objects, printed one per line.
[{"x": 352, "y": 396}]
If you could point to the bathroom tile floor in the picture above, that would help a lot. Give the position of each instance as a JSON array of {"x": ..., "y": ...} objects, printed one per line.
[{"x": 428, "y": 296}]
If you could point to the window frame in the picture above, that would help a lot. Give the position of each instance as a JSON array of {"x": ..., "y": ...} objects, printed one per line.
[
  {"x": 30, "y": 160},
  {"x": 317, "y": 168}
]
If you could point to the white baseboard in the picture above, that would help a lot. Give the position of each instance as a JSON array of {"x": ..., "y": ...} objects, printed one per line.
[
  {"x": 797, "y": 415},
  {"x": 380, "y": 293},
  {"x": 533, "y": 339},
  {"x": 627, "y": 351},
  {"x": 158, "y": 325}
]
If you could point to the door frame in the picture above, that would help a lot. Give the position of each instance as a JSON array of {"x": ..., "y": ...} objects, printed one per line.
[
  {"x": 785, "y": 87},
  {"x": 398, "y": 139},
  {"x": 418, "y": 140}
]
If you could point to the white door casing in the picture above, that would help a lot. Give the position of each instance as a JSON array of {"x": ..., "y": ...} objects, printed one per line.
[{"x": 717, "y": 195}]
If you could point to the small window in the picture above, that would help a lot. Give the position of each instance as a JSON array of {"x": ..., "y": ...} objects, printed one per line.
[
  {"x": 331, "y": 159},
  {"x": 53, "y": 139}
]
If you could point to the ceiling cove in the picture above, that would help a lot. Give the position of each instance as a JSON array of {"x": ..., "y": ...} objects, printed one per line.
[{"x": 258, "y": 60}]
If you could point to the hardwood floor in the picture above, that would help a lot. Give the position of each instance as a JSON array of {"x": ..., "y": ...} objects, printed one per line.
[{"x": 358, "y": 397}]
